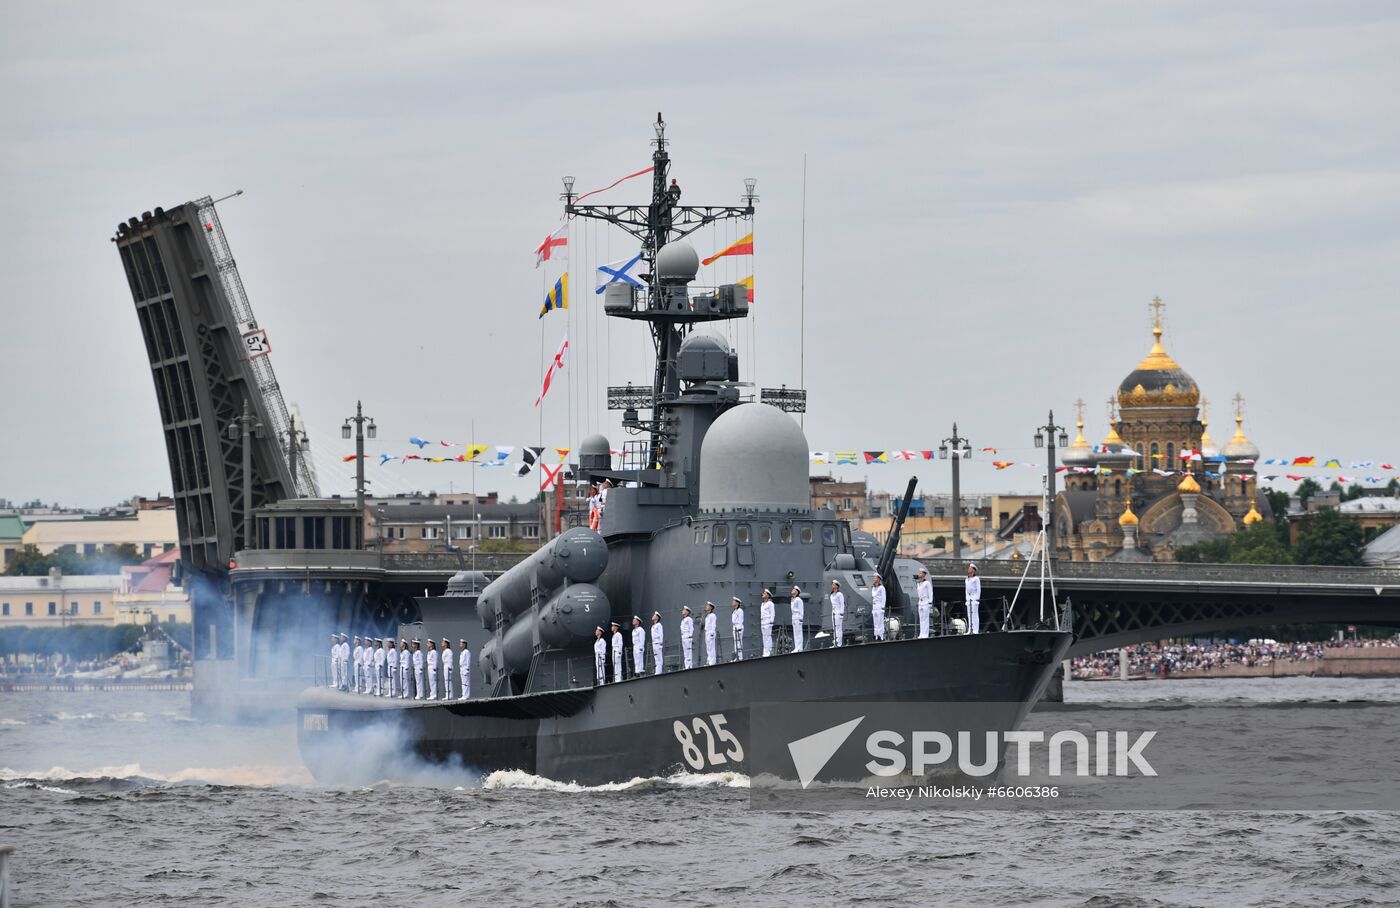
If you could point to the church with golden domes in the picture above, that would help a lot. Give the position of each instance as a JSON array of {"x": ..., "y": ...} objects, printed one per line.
[{"x": 1135, "y": 497}]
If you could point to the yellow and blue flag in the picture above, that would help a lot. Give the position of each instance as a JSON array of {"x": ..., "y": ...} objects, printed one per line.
[{"x": 557, "y": 298}]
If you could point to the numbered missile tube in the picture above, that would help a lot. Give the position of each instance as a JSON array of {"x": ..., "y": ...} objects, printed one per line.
[
  {"x": 578, "y": 555},
  {"x": 566, "y": 620}
]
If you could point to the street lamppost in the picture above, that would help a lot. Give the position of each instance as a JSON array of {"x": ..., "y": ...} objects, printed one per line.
[
  {"x": 296, "y": 441},
  {"x": 962, "y": 450},
  {"x": 1051, "y": 433},
  {"x": 364, "y": 425},
  {"x": 245, "y": 428}
]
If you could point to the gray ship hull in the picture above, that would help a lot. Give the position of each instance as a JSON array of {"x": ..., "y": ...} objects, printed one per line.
[{"x": 626, "y": 730}]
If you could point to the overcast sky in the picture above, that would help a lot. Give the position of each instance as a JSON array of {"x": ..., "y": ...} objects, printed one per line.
[{"x": 994, "y": 194}]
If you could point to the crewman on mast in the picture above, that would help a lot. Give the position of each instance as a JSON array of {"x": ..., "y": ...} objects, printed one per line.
[
  {"x": 711, "y": 624},
  {"x": 449, "y": 665},
  {"x": 405, "y": 668},
  {"x": 639, "y": 648},
  {"x": 765, "y": 622},
  {"x": 617, "y": 651},
  {"x": 391, "y": 666},
  {"x": 838, "y": 613},
  {"x": 925, "y": 602},
  {"x": 658, "y": 644},
  {"x": 600, "y": 656},
  {"x": 687, "y": 638},
  {"x": 877, "y": 606},
  {"x": 357, "y": 666},
  {"x": 465, "y": 664},
  {"x": 380, "y": 658},
  {"x": 433, "y": 662},
  {"x": 972, "y": 594},
  {"x": 799, "y": 613},
  {"x": 417, "y": 669},
  {"x": 736, "y": 621}
]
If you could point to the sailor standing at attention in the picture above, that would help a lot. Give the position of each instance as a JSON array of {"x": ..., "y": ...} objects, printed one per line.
[
  {"x": 877, "y": 606},
  {"x": 417, "y": 669},
  {"x": 357, "y": 665},
  {"x": 838, "y": 613},
  {"x": 736, "y": 621},
  {"x": 345, "y": 662},
  {"x": 765, "y": 622},
  {"x": 639, "y": 648},
  {"x": 799, "y": 613},
  {"x": 687, "y": 638},
  {"x": 464, "y": 662},
  {"x": 600, "y": 656},
  {"x": 658, "y": 644},
  {"x": 432, "y": 670},
  {"x": 711, "y": 624},
  {"x": 335, "y": 661},
  {"x": 405, "y": 667},
  {"x": 925, "y": 602},
  {"x": 617, "y": 652},
  {"x": 391, "y": 663},
  {"x": 380, "y": 659},
  {"x": 449, "y": 664},
  {"x": 972, "y": 593}
]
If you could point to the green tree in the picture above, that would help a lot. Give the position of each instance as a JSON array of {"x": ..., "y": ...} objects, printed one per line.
[
  {"x": 29, "y": 563},
  {"x": 1392, "y": 488},
  {"x": 1329, "y": 538},
  {"x": 1261, "y": 543},
  {"x": 1278, "y": 503},
  {"x": 939, "y": 542},
  {"x": 1212, "y": 551},
  {"x": 1307, "y": 489}
]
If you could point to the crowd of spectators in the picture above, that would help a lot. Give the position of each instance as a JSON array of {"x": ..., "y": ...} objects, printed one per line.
[{"x": 1161, "y": 659}]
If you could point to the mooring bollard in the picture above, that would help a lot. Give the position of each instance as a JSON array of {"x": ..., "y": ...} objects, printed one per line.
[{"x": 5, "y": 852}]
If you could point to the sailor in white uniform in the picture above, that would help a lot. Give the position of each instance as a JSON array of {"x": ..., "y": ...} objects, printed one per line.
[
  {"x": 765, "y": 622},
  {"x": 687, "y": 638},
  {"x": 639, "y": 648},
  {"x": 838, "y": 613},
  {"x": 417, "y": 670},
  {"x": 335, "y": 661},
  {"x": 658, "y": 644},
  {"x": 381, "y": 659},
  {"x": 925, "y": 603},
  {"x": 405, "y": 668},
  {"x": 877, "y": 606},
  {"x": 736, "y": 621},
  {"x": 449, "y": 665},
  {"x": 617, "y": 652},
  {"x": 799, "y": 613},
  {"x": 357, "y": 666},
  {"x": 464, "y": 662},
  {"x": 972, "y": 594},
  {"x": 711, "y": 631},
  {"x": 345, "y": 662},
  {"x": 391, "y": 668},
  {"x": 600, "y": 656},
  {"x": 433, "y": 663}
]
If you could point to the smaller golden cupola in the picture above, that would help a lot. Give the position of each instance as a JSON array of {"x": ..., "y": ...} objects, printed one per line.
[
  {"x": 1253, "y": 516},
  {"x": 1128, "y": 518},
  {"x": 1189, "y": 484}
]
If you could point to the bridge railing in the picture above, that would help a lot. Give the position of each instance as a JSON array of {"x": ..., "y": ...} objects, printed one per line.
[{"x": 1176, "y": 572}]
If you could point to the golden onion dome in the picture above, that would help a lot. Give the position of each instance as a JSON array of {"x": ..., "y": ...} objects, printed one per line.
[
  {"x": 1240, "y": 447},
  {"x": 1189, "y": 484},
  {"x": 1253, "y": 516},
  {"x": 1128, "y": 518},
  {"x": 1158, "y": 381}
]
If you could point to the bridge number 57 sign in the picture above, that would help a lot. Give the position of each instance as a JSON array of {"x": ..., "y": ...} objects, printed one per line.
[
  {"x": 255, "y": 342},
  {"x": 699, "y": 738}
]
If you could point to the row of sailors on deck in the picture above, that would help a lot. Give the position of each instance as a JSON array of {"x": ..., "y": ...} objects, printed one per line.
[{"x": 376, "y": 667}]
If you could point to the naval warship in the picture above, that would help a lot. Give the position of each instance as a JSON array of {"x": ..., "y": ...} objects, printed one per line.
[{"x": 711, "y": 501}]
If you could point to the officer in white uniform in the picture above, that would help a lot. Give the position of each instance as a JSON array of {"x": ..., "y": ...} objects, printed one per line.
[
  {"x": 925, "y": 603},
  {"x": 345, "y": 662},
  {"x": 600, "y": 656},
  {"x": 687, "y": 638},
  {"x": 658, "y": 644},
  {"x": 617, "y": 652},
  {"x": 639, "y": 648},
  {"x": 877, "y": 606},
  {"x": 972, "y": 594},
  {"x": 449, "y": 665},
  {"x": 799, "y": 612},
  {"x": 357, "y": 666},
  {"x": 736, "y": 621},
  {"x": 838, "y": 613},
  {"x": 433, "y": 663},
  {"x": 335, "y": 661},
  {"x": 405, "y": 668},
  {"x": 464, "y": 662},
  {"x": 765, "y": 622},
  {"x": 711, "y": 631},
  {"x": 391, "y": 665},
  {"x": 417, "y": 669}
]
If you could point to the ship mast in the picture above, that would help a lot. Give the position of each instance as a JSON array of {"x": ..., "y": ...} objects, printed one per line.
[{"x": 654, "y": 225}]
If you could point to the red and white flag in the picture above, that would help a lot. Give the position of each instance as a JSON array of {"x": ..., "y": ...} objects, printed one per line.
[
  {"x": 549, "y": 476},
  {"x": 611, "y": 185},
  {"x": 558, "y": 238},
  {"x": 557, "y": 363}
]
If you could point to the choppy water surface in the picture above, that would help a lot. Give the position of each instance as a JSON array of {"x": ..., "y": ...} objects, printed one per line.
[{"x": 119, "y": 798}]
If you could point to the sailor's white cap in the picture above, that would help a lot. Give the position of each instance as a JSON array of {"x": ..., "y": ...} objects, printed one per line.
[
  {"x": 656, "y": 614},
  {"x": 738, "y": 600},
  {"x": 685, "y": 608},
  {"x": 599, "y": 629}
]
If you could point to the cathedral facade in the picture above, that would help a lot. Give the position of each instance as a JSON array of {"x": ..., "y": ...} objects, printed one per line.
[{"x": 1135, "y": 497}]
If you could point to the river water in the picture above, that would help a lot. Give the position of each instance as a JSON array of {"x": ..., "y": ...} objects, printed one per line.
[{"x": 121, "y": 799}]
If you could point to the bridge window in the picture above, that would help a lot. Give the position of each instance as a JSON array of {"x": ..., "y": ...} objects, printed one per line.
[
  {"x": 808, "y": 535},
  {"x": 313, "y": 533},
  {"x": 828, "y": 535},
  {"x": 742, "y": 534},
  {"x": 342, "y": 533},
  {"x": 284, "y": 532},
  {"x": 721, "y": 533},
  {"x": 765, "y": 534},
  {"x": 785, "y": 534}
]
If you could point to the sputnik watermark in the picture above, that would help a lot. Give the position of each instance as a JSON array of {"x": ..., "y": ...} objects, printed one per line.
[{"x": 1114, "y": 753}]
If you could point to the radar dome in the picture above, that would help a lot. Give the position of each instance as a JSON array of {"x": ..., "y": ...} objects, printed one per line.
[
  {"x": 754, "y": 458},
  {"x": 677, "y": 261},
  {"x": 594, "y": 444}
]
